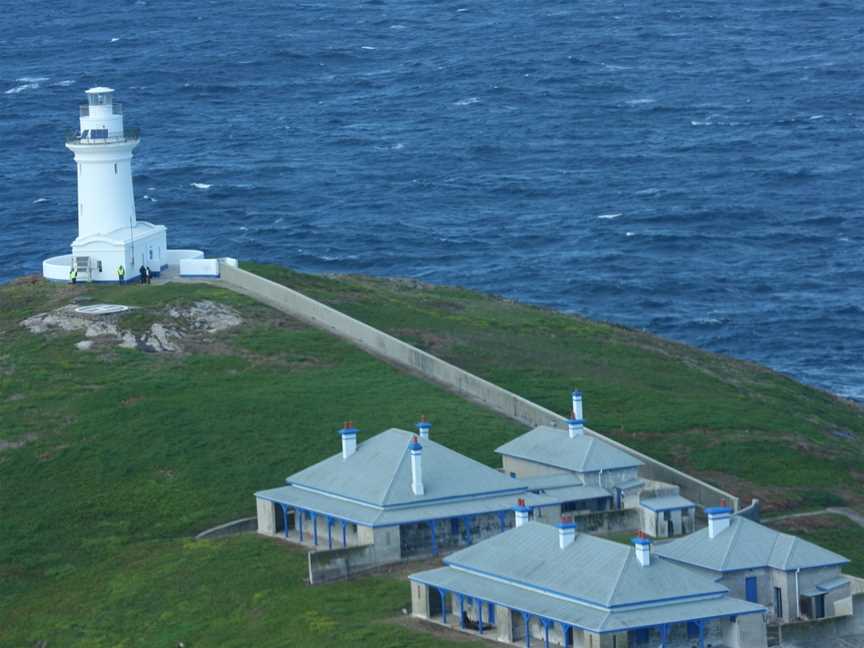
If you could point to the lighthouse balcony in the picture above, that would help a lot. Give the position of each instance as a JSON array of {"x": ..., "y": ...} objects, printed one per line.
[
  {"x": 116, "y": 109},
  {"x": 102, "y": 136}
]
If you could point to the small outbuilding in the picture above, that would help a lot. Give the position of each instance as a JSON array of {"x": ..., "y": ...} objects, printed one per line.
[{"x": 793, "y": 578}]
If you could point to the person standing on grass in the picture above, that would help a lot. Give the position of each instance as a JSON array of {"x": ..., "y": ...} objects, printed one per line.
[
  {"x": 149, "y": 274},
  {"x": 142, "y": 274},
  {"x": 73, "y": 274},
  {"x": 121, "y": 274}
]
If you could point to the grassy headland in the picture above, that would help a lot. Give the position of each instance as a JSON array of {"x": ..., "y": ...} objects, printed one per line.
[{"x": 111, "y": 459}]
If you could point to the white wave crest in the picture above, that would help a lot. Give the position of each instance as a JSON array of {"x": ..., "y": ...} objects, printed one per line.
[
  {"x": 640, "y": 102},
  {"x": 22, "y": 88},
  {"x": 115, "y": 39},
  {"x": 630, "y": 234},
  {"x": 466, "y": 102},
  {"x": 609, "y": 216},
  {"x": 200, "y": 185},
  {"x": 32, "y": 79},
  {"x": 64, "y": 83},
  {"x": 368, "y": 47},
  {"x": 40, "y": 200}
]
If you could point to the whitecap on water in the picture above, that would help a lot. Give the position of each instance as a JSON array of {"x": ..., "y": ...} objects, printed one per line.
[
  {"x": 694, "y": 122},
  {"x": 815, "y": 117},
  {"x": 368, "y": 47},
  {"x": 398, "y": 146},
  {"x": 609, "y": 216},
  {"x": 64, "y": 83},
  {"x": 115, "y": 39},
  {"x": 22, "y": 88},
  {"x": 40, "y": 200},
  {"x": 200, "y": 185},
  {"x": 639, "y": 102},
  {"x": 466, "y": 102},
  {"x": 32, "y": 79},
  {"x": 630, "y": 234},
  {"x": 398, "y": 27},
  {"x": 650, "y": 191}
]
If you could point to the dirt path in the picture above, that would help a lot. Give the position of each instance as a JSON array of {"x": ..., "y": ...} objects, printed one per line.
[{"x": 855, "y": 516}]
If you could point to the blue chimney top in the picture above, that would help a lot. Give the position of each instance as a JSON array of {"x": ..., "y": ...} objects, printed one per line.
[{"x": 415, "y": 446}]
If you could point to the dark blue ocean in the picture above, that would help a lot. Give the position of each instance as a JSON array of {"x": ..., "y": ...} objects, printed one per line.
[{"x": 690, "y": 168}]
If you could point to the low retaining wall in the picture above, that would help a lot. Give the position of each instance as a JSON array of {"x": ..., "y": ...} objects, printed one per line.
[
  {"x": 243, "y": 525},
  {"x": 450, "y": 376},
  {"x": 825, "y": 630},
  {"x": 338, "y": 564}
]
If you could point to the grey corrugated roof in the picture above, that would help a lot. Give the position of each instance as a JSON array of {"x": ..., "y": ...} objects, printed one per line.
[
  {"x": 554, "y": 447},
  {"x": 748, "y": 545},
  {"x": 379, "y": 473},
  {"x": 545, "y": 482},
  {"x": 590, "y": 569},
  {"x": 666, "y": 503},
  {"x": 578, "y": 566},
  {"x": 576, "y": 493}
]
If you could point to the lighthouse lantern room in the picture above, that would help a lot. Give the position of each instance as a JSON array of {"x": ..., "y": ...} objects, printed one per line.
[{"x": 109, "y": 234}]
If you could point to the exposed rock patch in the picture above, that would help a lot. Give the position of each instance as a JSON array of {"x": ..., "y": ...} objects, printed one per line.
[{"x": 173, "y": 327}]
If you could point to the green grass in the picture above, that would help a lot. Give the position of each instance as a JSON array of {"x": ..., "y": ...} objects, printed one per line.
[
  {"x": 736, "y": 424},
  {"x": 128, "y": 454},
  {"x": 132, "y": 453}
]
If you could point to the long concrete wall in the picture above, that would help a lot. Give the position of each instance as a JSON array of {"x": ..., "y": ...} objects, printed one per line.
[
  {"x": 330, "y": 565},
  {"x": 450, "y": 376}
]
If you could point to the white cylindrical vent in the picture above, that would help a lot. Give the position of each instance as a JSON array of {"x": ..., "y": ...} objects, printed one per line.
[
  {"x": 576, "y": 424},
  {"x": 643, "y": 551},
  {"x": 416, "y": 451},
  {"x": 566, "y": 532},
  {"x": 719, "y": 519},
  {"x": 349, "y": 440},
  {"x": 423, "y": 427},
  {"x": 521, "y": 512}
]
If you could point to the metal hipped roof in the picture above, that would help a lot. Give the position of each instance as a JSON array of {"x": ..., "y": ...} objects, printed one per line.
[
  {"x": 588, "y": 617},
  {"x": 667, "y": 503},
  {"x": 554, "y": 447},
  {"x": 379, "y": 473},
  {"x": 748, "y": 545},
  {"x": 590, "y": 569}
]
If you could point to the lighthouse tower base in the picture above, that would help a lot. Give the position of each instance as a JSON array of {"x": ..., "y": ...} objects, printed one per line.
[{"x": 99, "y": 257}]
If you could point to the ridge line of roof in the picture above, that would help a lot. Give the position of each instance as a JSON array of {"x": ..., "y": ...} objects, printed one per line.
[
  {"x": 618, "y": 578},
  {"x": 393, "y": 477},
  {"x": 791, "y": 548},
  {"x": 735, "y": 531}
]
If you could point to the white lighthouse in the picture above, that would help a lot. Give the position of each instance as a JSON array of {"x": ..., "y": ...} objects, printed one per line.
[{"x": 109, "y": 234}]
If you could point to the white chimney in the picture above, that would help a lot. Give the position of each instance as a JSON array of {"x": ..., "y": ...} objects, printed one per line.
[
  {"x": 576, "y": 423},
  {"x": 719, "y": 519},
  {"x": 349, "y": 440},
  {"x": 522, "y": 512},
  {"x": 416, "y": 466},
  {"x": 643, "y": 551},
  {"x": 566, "y": 532},
  {"x": 423, "y": 428}
]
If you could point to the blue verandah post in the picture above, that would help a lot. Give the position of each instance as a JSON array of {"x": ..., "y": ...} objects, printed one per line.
[
  {"x": 443, "y": 594},
  {"x": 664, "y": 635},
  {"x": 285, "y": 518},
  {"x": 701, "y": 624},
  {"x": 314, "y": 527},
  {"x": 502, "y": 519},
  {"x": 300, "y": 513},
  {"x": 527, "y": 629},
  {"x": 462, "y": 611},
  {"x": 344, "y": 524},
  {"x": 479, "y": 615},
  {"x": 565, "y": 630},
  {"x": 434, "y": 538},
  {"x": 329, "y": 532}
]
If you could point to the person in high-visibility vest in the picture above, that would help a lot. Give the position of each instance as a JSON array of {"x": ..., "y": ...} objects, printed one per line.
[
  {"x": 121, "y": 273},
  {"x": 73, "y": 274}
]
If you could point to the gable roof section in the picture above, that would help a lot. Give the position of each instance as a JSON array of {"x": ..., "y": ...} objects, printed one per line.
[
  {"x": 590, "y": 570},
  {"x": 748, "y": 545},
  {"x": 379, "y": 474},
  {"x": 554, "y": 447}
]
